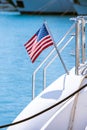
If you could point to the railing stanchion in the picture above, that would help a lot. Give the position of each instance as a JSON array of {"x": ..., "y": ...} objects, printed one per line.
[
  {"x": 83, "y": 41},
  {"x": 77, "y": 60}
]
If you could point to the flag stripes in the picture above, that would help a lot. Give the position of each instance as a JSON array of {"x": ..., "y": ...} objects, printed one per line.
[
  {"x": 37, "y": 46},
  {"x": 34, "y": 46},
  {"x": 37, "y": 53}
]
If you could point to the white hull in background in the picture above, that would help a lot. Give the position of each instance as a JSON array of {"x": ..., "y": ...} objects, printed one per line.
[
  {"x": 44, "y": 6},
  {"x": 80, "y": 6}
]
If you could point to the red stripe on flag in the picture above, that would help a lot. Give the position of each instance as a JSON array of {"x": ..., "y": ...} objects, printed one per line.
[
  {"x": 47, "y": 42},
  {"x": 40, "y": 43},
  {"x": 39, "y": 51},
  {"x": 30, "y": 44}
]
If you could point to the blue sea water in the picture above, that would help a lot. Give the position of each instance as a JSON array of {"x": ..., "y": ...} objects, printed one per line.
[{"x": 16, "y": 68}]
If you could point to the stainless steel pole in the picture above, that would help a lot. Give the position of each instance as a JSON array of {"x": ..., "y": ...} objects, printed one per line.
[
  {"x": 77, "y": 60},
  {"x": 83, "y": 41}
]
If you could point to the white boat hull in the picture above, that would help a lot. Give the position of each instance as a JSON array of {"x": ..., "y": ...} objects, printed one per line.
[
  {"x": 44, "y": 6},
  {"x": 58, "y": 117}
]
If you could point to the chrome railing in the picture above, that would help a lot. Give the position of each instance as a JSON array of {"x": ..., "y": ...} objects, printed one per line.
[
  {"x": 38, "y": 68},
  {"x": 80, "y": 40},
  {"x": 45, "y": 68}
]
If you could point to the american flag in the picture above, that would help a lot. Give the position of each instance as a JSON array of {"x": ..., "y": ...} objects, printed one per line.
[{"x": 40, "y": 41}]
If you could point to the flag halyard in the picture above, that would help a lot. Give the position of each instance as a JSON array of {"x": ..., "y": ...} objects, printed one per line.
[{"x": 40, "y": 41}]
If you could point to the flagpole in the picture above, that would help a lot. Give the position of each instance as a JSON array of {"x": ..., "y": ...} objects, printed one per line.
[
  {"x": 57, "y": 50},
  {"x": 61, "y": 59}
]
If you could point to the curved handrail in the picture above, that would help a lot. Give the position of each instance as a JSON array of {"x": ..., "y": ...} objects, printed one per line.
[
  {"x": 45, "y": 68},
  {"x": 34, "y": 73}
]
